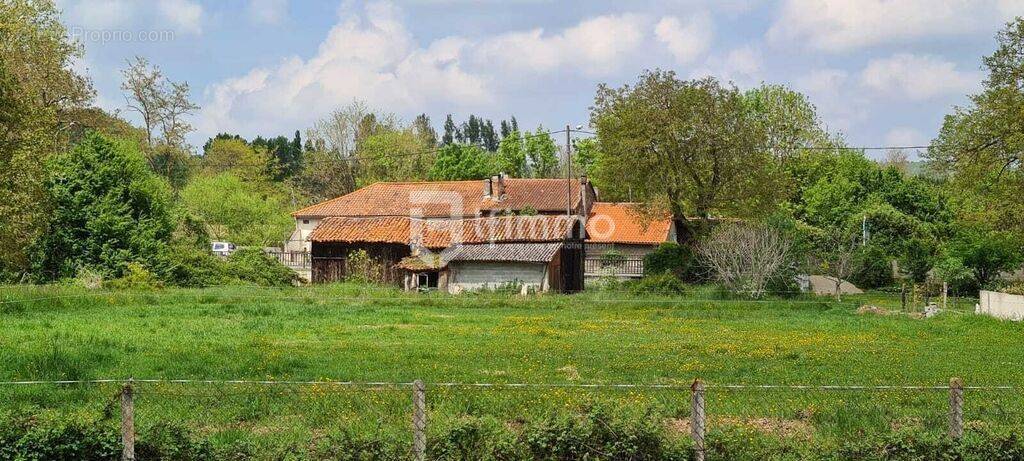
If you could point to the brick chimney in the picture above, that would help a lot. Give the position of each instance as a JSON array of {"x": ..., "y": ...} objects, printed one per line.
[
  {"x": 488, "y": 188},
  {"x": 501, "y": 185}
]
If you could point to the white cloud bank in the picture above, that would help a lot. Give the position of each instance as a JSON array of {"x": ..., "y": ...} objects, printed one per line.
[
  {"x": 918, "y": 77},
  {"x": 372, "y": 56},
  {"x": 843, "y": 25},
  {"x": 686, "y": 40}
]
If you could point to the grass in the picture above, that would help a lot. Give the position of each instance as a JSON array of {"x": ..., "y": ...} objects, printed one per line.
[{"x": 359, "y": 333}]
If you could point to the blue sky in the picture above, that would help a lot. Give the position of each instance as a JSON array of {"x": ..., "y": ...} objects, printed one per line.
[{"x": 882, "y": 72}]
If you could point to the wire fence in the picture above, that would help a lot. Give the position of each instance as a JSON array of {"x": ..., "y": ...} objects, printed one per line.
[{"x": 417, "y": 420}]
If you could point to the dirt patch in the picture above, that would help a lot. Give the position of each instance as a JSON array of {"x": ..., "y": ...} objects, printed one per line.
[
  {"x": 571, "y": 373},
  {"x": 871, "y": 310}
]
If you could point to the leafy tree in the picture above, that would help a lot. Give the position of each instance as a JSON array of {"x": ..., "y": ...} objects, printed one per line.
[
  {"x": 451, "y": 132},
  {"x": 679, "y": 260},
  {"x": 692, "y": 146},
  {"x": 489, "y": 137},
  {"x": 393, "y": 155},
  {"x": 162, "y": 103},
  {"x": 461, "y": 162},
  {"x": 585, "y": 155},
  {"x": 787, "y": 120},
  {"x": 542, "y": 152},
  {"x": 108, "y": 210},
  {"x": 986, "y": 253},
  {"x": 872, "y": 267},
  {"x": 511, "y": 156},
  {"x": 421, "y": 126},
  {"x": 979, "y": 145},
  {"x": 237, "y": 211},
  {"x": 329, "y": 169},
  {"x": 238, "y": 157},
  {"x": 209, "y": 142},
  {"x": 40, "y": 94},
  {"x": 919, "y": 257}
]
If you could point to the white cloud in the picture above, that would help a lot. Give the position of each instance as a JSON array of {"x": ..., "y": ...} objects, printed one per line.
[
  {"x": 905, "y": 136},
  {"x": 268, "y": 11},
  {"x": 822, "y": 81},
  {"x": 741, "y": 66},
  {"x": 841, "y": 25},
  {"x": 687, "y": 40},
  {"x": 100, "y": 14},
  {"x": 369, "y": 57},
  {"x": 597, "y": 46},
  {"x": 184, "y": 15},
  {"x": 918, "y": 77}
]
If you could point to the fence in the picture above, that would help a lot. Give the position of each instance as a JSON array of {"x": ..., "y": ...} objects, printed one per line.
[
  {"x": 292, "y": 259},
  {"x": 418, "y": 419},
  {"x": 605, "y": 267}
]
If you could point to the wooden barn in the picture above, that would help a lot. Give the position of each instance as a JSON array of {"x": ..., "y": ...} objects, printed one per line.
[{"x": 525, "y": 253}]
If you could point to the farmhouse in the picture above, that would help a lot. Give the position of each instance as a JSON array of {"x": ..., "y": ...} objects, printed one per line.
[{"x": 500, "y": 232}]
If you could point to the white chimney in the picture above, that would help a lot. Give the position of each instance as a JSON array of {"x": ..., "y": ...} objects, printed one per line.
[{"x": 488, "y": 188}]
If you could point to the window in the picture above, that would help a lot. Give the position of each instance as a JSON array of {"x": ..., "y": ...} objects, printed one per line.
[
  {"x": 305, "y": 221},
  {"x": 427, "y": 280}
]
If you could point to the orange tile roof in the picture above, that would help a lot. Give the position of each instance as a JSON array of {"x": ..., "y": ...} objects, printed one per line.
[
  {"x": 445, "y": 199},
  {"x": 443, "y": 233},
  {"x": 620, "y": 223}
]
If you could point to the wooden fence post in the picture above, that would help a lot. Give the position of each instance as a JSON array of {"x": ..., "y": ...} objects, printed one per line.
[
  {"x": 419, "y": 421},
  {"x": 127, "y": 423},
  {"x": 956, "y": 408},
  {"x": 945, "y": 291},
  {"x": 697, "y": 419}
]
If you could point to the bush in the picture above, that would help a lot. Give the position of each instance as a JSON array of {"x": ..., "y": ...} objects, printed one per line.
[
  {"x": 595, "y": 434},
  {"x": 189, "y": 266},
  {"x": 676, "y": 259},
  {"x": 663, "y": 283},
  {"x": 872, "y": 267},
  {"x": 254, "y": 266},
  {"x": 28, "y": 437},
  {"x": 135, "y": 276}
]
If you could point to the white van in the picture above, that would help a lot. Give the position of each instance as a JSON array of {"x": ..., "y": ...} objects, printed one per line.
[{"x": 222, "y": 248}]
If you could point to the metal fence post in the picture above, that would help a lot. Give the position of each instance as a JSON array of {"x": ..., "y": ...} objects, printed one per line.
[
  {"x": 697, "y": 419},
  {"x": 956, "y": 408},
  {"x": 419, "y": 421},
  {"x": 127, "y": 423}
]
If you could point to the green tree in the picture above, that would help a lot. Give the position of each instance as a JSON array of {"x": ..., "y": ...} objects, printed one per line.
[
  {"x": 542, "y": 152},
  {"x": 237, "y": 211},
  {"x": 239, "y": 158},
  {"x": 108, "y": 210},
  {"x": 986, "y": 253},
  {"x": 39, "y": 92},
  {"x": 511, "y": 156},
  {"x": 393, "y": 155},
  {"x": 979, "y": 145},
  {"x": 691, "y": 146},
  {"x": 585, "y": 155},
  {"x": 461, "y": 162}
]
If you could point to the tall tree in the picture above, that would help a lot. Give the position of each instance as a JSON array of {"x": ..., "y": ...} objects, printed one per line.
[
  {"x": 109, "y": 210},
  {"x": 691, "y": 146},
  {"x": 511, "y": 156},
  {"x": 39, "y": 92},
  {"x": 980, "y": 145},
  {"x": 542, "y": 152},
  {"x": 161, "y": 103},
  {"x": 461, "y": 162},
  {"x": 451, "y": 131},
  {"x": 393, "y": 155},
  {"x": 488, "y": 137},
  {"x": 248, "y": 162},
  {"x": 426, "y": 133}
]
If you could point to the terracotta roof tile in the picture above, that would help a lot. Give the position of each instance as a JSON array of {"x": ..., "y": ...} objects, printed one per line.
[
  {"x": 620, "y": 223},
  {"x": 443, "y": 233},
  {"x": 445, "y": 199}
]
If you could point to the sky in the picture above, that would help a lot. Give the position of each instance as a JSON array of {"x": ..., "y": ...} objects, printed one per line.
[{"x": 881, "y": 72}]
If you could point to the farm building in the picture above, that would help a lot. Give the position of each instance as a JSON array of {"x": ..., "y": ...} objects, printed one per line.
[
  {"x": 619, "y": 236},
  {"x": 529, "y": 253}
]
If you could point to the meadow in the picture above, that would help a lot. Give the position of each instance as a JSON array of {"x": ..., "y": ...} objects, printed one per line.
[{"x": 369, "y": 335}]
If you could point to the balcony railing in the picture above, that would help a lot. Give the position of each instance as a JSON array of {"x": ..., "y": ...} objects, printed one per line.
[
  {"x": 293, "y": 259},
  {"x": 614, "y": 267}
]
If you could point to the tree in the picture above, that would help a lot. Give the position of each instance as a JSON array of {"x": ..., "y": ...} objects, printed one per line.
[
  {"x": 745, "y": 258},
  {"x": 986, "y": 253},
  {"x": 161, "y": 103},
  {"x": 247, "y": 162},
  {"x": 393, "y": 155},
  {"x": 542, "y": 152},
  {"x": 451, "y": 132},
  {"x": 692, "y": 146},
  {"x": 108, "y": 210},
  {"x": 329, "y": 168},
  {"x": 835, "y": 257},
  {"x": 40, "y": 94},
  {"x": 786, "y": 120},
  {"x": 421, "y": 126},
  {"x": 237, "y": 211},
  {"x": 979, "y": 146},
  {"x": 461, "y": 162},
  {"x": 511, "y": 156},
  {"x": 585, "y": 155}
]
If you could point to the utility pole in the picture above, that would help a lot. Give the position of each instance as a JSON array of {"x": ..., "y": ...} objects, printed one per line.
[
  {"x": 568, "y": 166},
  {"x": 864, "y": 230}
]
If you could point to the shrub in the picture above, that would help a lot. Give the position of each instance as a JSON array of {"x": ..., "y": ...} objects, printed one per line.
[
  {"x": 28, "y": 437},
  {"x": 612, "y": 257},
  {"x": 595, "y": 434},
  {"x": 872, "y": 267},
  {"x": 663, "y": 283},
  {"x": 676, "y": 259},
  {"x": 189, "y": 266},
  {"x": 254, "y": 266},
  {"x": 135, "y": 276}
]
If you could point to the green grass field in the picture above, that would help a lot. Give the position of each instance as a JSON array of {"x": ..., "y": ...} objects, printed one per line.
[{"x": 358, "y": 333}]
